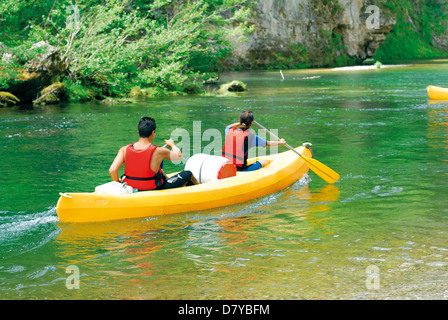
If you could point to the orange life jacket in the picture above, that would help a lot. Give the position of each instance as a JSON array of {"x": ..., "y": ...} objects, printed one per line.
[
  {"x": 138, "y": 172},
  {"x": 236, "y": 148}
]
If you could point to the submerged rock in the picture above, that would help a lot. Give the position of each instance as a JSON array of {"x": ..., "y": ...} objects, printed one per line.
[
  {"x": 111, "y": 101},
  {"x": 137, "y": 92},
  {"x": 7, "y": 99},
  {"x": 234, "y": 86}
]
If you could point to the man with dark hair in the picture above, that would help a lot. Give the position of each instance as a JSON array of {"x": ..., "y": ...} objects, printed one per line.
[
  {"x": 143, "y": 162},
  {"x": 146, "y": 126},
  {"x": 239, "y": 140}
]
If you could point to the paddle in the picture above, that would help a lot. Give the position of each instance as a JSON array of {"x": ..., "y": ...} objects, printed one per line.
[{"x": 319, "y": 168}]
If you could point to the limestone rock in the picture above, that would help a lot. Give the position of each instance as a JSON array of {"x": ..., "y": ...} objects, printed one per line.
[
  {"x": 49, "y": 61},
  {"x": 305, "y": 31}
]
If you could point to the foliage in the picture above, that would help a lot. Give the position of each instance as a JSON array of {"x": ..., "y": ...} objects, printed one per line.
[
  {"x": 296, "y": 57},
  {"x": 412, "y": 36},
  {"x": 115, "y": 45},
  {"x": 77, "y": 92}
]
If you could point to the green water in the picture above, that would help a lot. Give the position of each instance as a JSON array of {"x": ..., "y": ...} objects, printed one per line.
[{"x": 388, "y": 211}]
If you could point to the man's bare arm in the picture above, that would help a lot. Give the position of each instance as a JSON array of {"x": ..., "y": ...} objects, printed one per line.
[
  {"x": 175, "y": 154},
  {"x": 116, "y": 165}
]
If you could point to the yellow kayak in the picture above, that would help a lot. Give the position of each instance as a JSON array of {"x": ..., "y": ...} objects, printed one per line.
[
  {"x": 284, "y": 169},
  {"x": 437, "y": 93}
]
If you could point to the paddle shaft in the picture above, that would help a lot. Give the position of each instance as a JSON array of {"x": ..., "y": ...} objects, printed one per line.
[
  {"x": 287, "y": 145},
  {"x": 319, "y": 168}
]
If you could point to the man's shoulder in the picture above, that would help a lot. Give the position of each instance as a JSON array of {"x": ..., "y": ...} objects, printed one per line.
[{"x": 161, "y": 150}]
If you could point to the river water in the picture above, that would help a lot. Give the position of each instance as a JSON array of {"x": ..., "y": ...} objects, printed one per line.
[{"x": 380, "y": 232}]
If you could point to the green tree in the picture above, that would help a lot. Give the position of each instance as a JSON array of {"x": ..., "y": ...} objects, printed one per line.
[{"x": 115, "y": 45}]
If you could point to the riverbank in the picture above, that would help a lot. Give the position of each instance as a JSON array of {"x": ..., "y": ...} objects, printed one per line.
[
  {"x": 67, "y": 92},
  {"x": 118, "y": 51}
]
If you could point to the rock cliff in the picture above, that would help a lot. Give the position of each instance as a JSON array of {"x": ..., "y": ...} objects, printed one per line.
[{"x": 316, "y": 33}]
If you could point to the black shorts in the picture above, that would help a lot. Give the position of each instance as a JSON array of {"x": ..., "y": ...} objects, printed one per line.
[{"x": 178, "y": 180}]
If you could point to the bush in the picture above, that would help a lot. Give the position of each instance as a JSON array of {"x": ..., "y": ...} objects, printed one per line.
[
  {"x": 76, "y": 92},
  {"x": 166, "y": 44},
  {"x": 412, "y": 36}
]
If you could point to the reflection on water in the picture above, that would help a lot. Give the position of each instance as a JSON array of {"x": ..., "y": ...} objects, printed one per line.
[{"x": 225, "y": 249}]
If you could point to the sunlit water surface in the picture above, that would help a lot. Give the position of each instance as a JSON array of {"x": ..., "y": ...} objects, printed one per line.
[{"x": 380, "y": 232}]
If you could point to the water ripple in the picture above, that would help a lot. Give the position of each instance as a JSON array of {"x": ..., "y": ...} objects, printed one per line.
[{"x": 16, "y": 230}]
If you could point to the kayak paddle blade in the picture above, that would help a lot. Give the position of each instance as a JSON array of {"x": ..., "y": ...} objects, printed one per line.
[{"x": 321, "y": 170}]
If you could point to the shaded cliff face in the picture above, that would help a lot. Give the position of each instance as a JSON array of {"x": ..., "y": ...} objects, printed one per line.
[{"x": 312, "y": 33}]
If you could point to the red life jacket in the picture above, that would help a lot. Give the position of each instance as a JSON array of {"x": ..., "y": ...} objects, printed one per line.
[
  {"x": 138, "y": 169},
  {"x": 235, "y": 147}
]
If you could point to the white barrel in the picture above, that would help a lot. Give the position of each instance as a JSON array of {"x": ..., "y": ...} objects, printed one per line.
[{"x": 208, "y": 168}]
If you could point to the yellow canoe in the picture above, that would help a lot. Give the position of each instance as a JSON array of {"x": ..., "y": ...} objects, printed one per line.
[
  {"x": 437, "y": 93},
  {"x": 284, "y": 169}
]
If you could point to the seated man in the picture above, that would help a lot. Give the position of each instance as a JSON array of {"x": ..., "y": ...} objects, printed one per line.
[
  {"x": 143, "y": 162},
  {"x": 239, "y": 141}
]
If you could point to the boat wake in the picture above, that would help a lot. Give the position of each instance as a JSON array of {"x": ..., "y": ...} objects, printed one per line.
[{"x": 20, "y": 233}]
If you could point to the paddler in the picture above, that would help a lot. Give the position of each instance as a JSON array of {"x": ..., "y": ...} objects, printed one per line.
[
  {"x": 239, "y": 140},
  {"x": 143, "y": 162}
]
